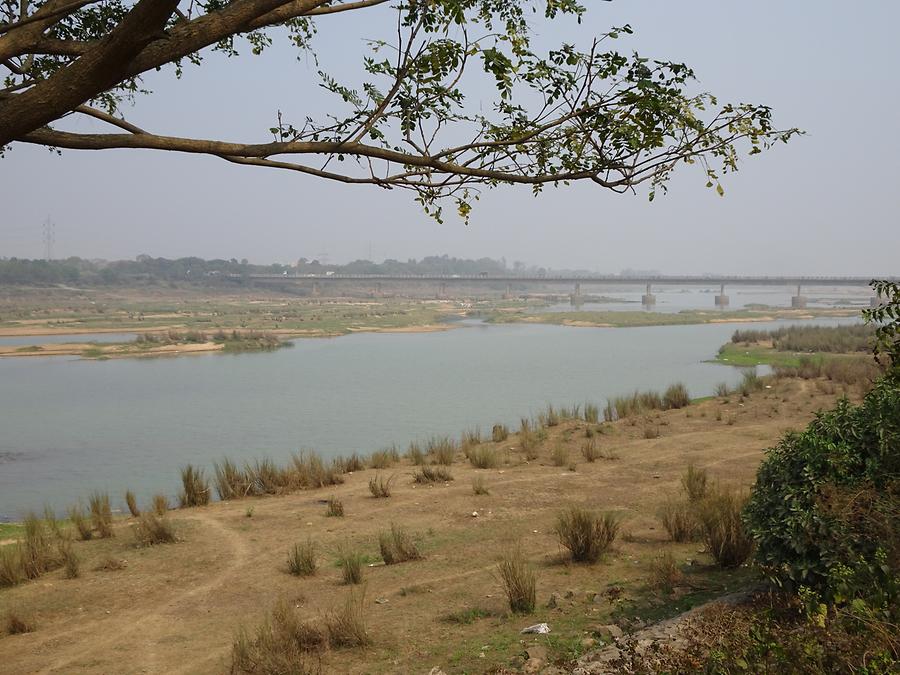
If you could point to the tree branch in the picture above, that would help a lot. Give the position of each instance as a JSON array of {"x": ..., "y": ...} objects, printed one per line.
[{"x": 95, "y": 72}]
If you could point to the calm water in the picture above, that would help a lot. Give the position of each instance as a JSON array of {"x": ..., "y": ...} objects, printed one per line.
[{"x": 71, "y": 426}]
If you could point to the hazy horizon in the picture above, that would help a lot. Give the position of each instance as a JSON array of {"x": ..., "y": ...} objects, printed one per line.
[{"x": 825, "y": 204}]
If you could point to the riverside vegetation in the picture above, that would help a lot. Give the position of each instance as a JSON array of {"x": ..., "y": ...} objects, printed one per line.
[{"x": 611, "y": 540}]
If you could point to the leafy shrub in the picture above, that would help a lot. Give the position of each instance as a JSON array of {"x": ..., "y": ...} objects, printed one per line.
[
  {"x": 586, "y": 534},
  {"x": 824, "y": 508}
]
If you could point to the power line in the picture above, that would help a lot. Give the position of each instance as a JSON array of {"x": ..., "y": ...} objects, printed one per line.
[{"x": 49, "y": 237}]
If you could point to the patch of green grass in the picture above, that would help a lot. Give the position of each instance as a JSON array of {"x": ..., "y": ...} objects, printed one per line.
[
  {"x": 744, "y": 356},
  {"x": 11, "y": 530}
]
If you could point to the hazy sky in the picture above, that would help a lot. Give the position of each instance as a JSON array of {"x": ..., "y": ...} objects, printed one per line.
[{"x": 827, "y": 203}]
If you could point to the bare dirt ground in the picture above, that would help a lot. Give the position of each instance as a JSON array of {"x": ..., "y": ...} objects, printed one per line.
[{"x": 175, "y": 608}]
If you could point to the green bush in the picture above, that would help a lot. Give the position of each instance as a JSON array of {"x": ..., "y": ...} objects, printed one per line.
[{"x": 824, "y": 512}]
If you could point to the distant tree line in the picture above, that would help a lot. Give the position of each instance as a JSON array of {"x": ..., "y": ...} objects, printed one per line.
[{"x": 146, "y": 269}]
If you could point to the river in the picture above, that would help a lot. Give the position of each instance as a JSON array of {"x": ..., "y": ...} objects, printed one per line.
[{"x": 69, "y": 426}]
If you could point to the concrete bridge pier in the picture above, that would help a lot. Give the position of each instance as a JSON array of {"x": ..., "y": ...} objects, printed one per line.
[
  {"x": 721, "y": 298},
  {"x": 575, "y": 298},
  {"x": 376, "y": 292},
  {"x": 508, "y": 294},
  {"x": 317, "y": 288},
  {"x": 875, "y": 301},
  {"x": 798, "y": 301},
  {"x": 442, "y": 291},
  {"x": 648, "y": 299}
]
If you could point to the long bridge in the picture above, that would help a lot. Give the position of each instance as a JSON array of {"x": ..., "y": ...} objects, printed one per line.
[{"x": 577, "y": 281}]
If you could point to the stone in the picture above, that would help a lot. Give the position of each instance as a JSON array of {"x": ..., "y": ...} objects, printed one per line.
[
  {"x": 608, "y": 633},
  {"x": 437, "y": 670},
  {"x": 553, "y": 602},
  {"x": 537, "y": 652},
  {"x": 533, "y": 666}
]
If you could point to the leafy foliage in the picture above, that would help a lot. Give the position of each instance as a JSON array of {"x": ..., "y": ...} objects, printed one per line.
[
  {"x": 824, "y": 512},
  {"x": 599, "y": 115}
]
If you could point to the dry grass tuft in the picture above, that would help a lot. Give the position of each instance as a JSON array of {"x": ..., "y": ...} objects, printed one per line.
[
  {"x": 560, "y": 455},
  {"x": 442, "y": 449},
  {"x": 397, "y": 546},
  {"x": 484, "y": 457},
  {"x": 679, "y": 519},
  {"x": 479, "y": 487},
  {"x": 415, "y": 454},
  {"x": 132, "y": 504},
  {"x": 101, "y": 514},
  {"x": 151, "y": 530},
  {"x": 591, "y": 451},
  {"x": 676, "y": 396},
  {"x": 384, "y": 459},
  {"x": 664, "y": 573},
  {"x": 347, "y": 627},
  {"x": 334, "y": 507},
  {"x": 586, "y": 534},
  {"x": 302, "y": 559},
  {"x": 695, "y": 483},
  {"x": 432, "y": 474},
  {"x": 160, "y": 505},
  {"x": 282, "y": 644},
  {"x": 499, "y": 433},
  {"x": 70, "y": 562},
  {"x": 723, "y": 530},
  {"x": 285, "y": 644},
  {"x": 11, "y": 567},
  {"x": 519, "y": 581},
  {"x": 380, "y": 487},
  {"x": 231, "y": 481},
  {"x": 195, "y": 489},
  {"x": 110, "y": 564},
  {"x": 351, "y": 564},
  {"x": 17, "y": 622}
]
